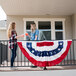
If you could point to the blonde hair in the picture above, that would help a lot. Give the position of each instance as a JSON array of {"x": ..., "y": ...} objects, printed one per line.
[{"x": 11, "y": 28}]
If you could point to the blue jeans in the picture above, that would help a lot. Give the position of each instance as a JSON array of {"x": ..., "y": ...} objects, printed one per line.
[{"x": 13, "y": 55}]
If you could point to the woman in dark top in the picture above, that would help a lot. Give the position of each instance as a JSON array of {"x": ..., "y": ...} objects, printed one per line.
[{"x": 12, "y": 41}]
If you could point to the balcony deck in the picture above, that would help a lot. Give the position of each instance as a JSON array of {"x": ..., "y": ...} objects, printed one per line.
[
  {"x": 21, "y": 67},
  {"x": 23, "y": 64}
]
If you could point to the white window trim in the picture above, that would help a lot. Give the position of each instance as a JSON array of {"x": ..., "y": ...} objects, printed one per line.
[{"x": 52, "y": 20}]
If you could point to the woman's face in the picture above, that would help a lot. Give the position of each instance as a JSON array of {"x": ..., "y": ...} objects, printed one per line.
[
  {"x": 13, "y": 26},
  {"x": 32, "y": 27}
]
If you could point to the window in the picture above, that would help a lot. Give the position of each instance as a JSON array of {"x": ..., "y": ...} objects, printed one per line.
[
  {"x": 49, "y": 29},
  {"x": 44, "y": 25},
  {"x": 59, "y": 35},
  {"x": 28, "y": 28},
  {"x": 58, "y": 25},
  {"x": 44, "y": 28},
  {"x": 2, "y": 19},
  {"x": 28, "y": 24},
  {"x": 58, "y": 30}
]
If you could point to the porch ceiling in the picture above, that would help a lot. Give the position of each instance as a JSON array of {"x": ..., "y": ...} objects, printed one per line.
[{"x": 39, "y": 7}]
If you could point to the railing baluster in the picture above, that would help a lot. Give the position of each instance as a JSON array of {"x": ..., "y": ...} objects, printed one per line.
[
  {"x": 7, "y": 52},
  {"x": 70, "y": 57},
  {"x": 21, "y": 58},
  {"x": 24, "y": 60},
  {"x": 73, "y": 54},
  {"x": 0, "y": 53},
  {"x": 67, "y": 59}
]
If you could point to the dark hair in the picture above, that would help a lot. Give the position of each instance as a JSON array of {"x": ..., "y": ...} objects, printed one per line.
[{"x": 33, "y": 23}]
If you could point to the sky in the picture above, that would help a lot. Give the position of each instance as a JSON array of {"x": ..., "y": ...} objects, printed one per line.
[{"x": 2, "y": 14}]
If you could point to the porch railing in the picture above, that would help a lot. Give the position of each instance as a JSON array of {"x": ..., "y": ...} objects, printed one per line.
[{"x": 21, "y": 60}]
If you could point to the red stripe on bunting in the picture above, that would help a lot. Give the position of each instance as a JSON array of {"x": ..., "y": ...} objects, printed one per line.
[
  {"x": 40, "y": 44},
  {"x": 45, "y": 63}
]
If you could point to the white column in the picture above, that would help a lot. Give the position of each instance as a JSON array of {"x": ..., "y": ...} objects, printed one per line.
[
  {"x": 52, "y": 29},
  {"x": 63, "y": 29}
]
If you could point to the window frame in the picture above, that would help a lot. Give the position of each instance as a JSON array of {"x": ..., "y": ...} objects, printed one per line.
[
  {"x": 61, "y": 30},
  {"x": 52, "y": 20}
]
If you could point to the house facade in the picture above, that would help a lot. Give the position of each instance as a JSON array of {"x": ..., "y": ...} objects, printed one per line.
[
  {"x": 58, "y": 27},
  {"x": 55, "y": 20}
]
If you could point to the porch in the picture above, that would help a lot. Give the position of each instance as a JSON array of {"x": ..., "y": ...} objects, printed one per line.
[{"x": 23, "y": 64}]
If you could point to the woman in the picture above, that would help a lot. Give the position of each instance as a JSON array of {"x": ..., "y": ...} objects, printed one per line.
[
  {"x": 34, "y": 32},
  {"x": 11, "y": 33}
]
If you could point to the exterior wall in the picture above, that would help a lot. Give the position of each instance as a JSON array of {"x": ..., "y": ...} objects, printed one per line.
[
  {"x": 20, "y": 25},
  {"x": 74, "y": 25},
  {"x": 3, "y": 35}
]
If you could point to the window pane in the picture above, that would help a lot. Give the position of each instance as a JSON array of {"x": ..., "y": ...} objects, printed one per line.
[
  {"x": 58, "y": 25},
  {"x": 28, "y": 24},
  {"x": 59, "y": 35},
  {"x": 2, "y": 23},
  {"x": 44, "y": 25},
  {"x": 44, "y": 35}
]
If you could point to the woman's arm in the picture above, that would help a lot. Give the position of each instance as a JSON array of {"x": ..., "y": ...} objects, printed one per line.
[
  {"x": 23, "y": 35},
  {"x": 36, "y": 37},
  {"x": 37, "y": 34},
  {"x": 19, "y": 36}
]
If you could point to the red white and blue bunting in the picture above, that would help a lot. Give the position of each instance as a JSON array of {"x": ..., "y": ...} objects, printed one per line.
[{"x": 45, "y": 53}]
